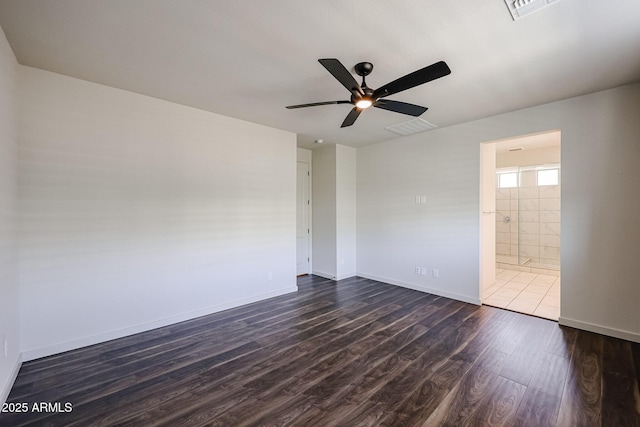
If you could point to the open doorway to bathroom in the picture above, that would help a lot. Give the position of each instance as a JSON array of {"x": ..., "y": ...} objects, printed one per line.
[{"x": 527, "y": 225}]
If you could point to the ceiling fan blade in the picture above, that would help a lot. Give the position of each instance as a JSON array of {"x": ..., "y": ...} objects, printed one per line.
[
  {"x": 315, "y": 104},
  {"x": 424, "y": 75},
  {"x": 351, "y": 117},
  {"x": 341, "y": 74},
  {"x": 400, "y": 107}
]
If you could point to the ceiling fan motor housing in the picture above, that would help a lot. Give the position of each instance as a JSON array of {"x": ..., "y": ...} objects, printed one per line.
[{"x": 363, "y": 68}]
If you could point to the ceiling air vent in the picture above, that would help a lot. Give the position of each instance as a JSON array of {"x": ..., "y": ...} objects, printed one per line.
[
  {"x": 521, "y": 8},
  {"x": 411, "y": 127}
]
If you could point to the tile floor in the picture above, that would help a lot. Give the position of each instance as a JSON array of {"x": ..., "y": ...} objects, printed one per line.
[{"x": 530, "y": 293}]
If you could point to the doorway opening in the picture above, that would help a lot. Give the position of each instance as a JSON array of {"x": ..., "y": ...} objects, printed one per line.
[{"x": 526, "y": 211}]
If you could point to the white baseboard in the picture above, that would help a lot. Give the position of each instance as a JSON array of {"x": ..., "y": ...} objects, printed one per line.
[
  {"x": 458, "y": 297},
  {"x": 324, "y": 275},
  {"x": 332, "y": 277},
  {"x": 6, "y": 388},
  {"x": 107, "y": 336},
  {"x": 599, "y": 329}
]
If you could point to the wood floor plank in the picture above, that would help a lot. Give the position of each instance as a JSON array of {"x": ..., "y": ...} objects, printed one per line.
[
  {"x": 619, "y": 384},
  {"x": 521, "y": 363},
  {"x": 541, "y": 401},
  {"x": 363, "y": 363},
  {"x": 394, "y": 336},
  {"x": 169, "y": 385},
  {"x": 282, "y": 383},
  {"x": 499, "y": 406},
  {"x": 581, "y": 403},
  {"x": 561, "y": 341},
  {"x": 275, "y": 375},
  {"x": 470, "y": 386},
  {"x": 352, "y": 352},
  {"x": 432, "y": 393},
  {"x": 635, "y": 352}
]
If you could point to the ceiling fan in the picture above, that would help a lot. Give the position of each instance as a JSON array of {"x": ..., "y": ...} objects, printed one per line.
[{"x": 363, "y": 97}]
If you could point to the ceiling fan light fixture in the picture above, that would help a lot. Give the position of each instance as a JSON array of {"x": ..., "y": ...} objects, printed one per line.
[{"x": 364, "y": 103}]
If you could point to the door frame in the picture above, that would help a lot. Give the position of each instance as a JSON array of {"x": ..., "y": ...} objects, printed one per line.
[
  {"x": 488, "y": 236},
  {"x": 487, "y": 217},
  {"x": 301, "y": 159}
]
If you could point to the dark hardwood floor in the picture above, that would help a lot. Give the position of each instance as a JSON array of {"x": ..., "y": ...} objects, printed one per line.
[{"x": 356, "y": 352}]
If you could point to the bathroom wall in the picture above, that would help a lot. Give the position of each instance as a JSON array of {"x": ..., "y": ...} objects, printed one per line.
[
  {"x": 506, "y": 224},
  {"x": 534, "y": 229},
  {"x": 534, "y": 211}
]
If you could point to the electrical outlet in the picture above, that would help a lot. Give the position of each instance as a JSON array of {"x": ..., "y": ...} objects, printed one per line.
[
  {"x": 423, "y": 199},
  {"x": 436, "y": 273},
  {"x": 417, "y": 270},
  {"x": 269, "y": 275},
  {"x": 423, "y": 271}
]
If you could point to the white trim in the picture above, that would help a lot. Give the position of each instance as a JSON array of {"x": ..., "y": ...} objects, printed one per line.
[
  {"x": 346, "y": 276},
  {"x": 6, "y": 389},
  {"x": 421, "y": 288},
  {"x": 310, "y": 214},
  {"x": 599, "y": 329},
  {"x": 120, "y": 333},
  {"x": 324, "y": 275}
]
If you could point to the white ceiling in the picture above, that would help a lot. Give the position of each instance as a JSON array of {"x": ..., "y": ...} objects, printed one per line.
[{"x": 250, "y": 58}]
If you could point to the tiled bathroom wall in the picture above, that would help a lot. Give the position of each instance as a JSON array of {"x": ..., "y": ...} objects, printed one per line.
[
  {"x": 507, "y": 222},
  {"x": 528, "y": 222}
]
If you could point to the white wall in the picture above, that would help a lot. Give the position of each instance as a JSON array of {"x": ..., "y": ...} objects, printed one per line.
[
  {"x": 487, "y": 216},
  {"x": 535, "y": 156},
  {"x": 345, "y": 211},
  {"x": 136, "y": 212},
  {"x": 600, "y": 233},
  {"x": 9, "y": 295},
  {"x": 395, "y": 234},
  {"x": 303, "y": 155},
  {"x": 324, "y": 212},
  {"x": 334, "y": 211}
]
